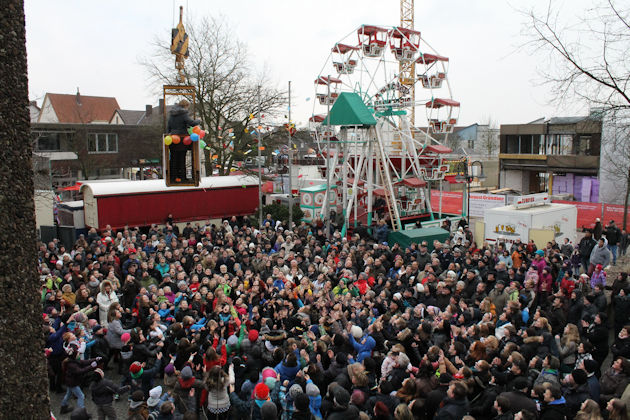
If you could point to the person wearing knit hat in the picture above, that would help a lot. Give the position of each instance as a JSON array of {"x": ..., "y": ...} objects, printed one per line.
[
  {"x": 342, "y": 409},
  {"x": 261, "y": 391},
  {"x": 252, "y": 336},
  {"x": 269, "y": 411},
  {"x": 154, "y": 398},
  {"x": 294, "y": 391},
  {"x": 103, "y": 391},
  {"x": 186, "y": 373},
  {"x": 141, "y": 377},
  {"x": 125, "y": 337},
  {"x": 301, "y": 404},
  {"x": 315, "y": 399},
  {"x": 138, "y": 406}
]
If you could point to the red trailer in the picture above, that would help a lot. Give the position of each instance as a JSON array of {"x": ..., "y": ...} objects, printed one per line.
[{"x": 141, "y": 203}]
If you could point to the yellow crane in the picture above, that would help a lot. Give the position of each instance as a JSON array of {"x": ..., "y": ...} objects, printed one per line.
[{"x": 407, "y": 70}]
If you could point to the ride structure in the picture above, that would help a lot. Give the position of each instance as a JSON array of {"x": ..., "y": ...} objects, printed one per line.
[{"x": 363, "y": 121}]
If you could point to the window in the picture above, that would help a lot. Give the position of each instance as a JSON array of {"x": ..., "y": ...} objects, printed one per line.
[
  {"x": 51, "y": 141},
  {"x": 102, "y": 142},
  {"x": 584, "y": 146}
]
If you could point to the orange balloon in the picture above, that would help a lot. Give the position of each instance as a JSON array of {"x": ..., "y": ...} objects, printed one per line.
[
  {"x": 176, "y": 139},
  {"x": 196, "y": 129}
]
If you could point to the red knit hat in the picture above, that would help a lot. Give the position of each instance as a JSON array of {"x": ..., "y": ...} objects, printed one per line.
[
  {"x": 261, "y": 391},
  {"x": 135, "y": 367},
  {"x": 253, "y": 335}
]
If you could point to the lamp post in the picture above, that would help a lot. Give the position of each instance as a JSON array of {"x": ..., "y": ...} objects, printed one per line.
[{"x": 466, "y": 172}]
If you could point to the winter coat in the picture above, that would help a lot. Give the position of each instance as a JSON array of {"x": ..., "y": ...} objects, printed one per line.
[
  {"x": 600, "y": 255},
  {"x": 339, "y": 413},
  {"x": 585, "y": 247},
  {"x": 363, "y": 349},
  {"x": 574, "y": 398},
  {"x": 104, "y": 301},
  {"x": 520, "y": 401},
  {"x": 179, "y": 121},
  {"x": 555, "y": 410},
  {"x": 103, "y": 391},
  {"x": 453, "y": 409},
  {"x": 55, "y": 340},
  {"x": 499, "y": 299},
  {"x": 621, "y": 348},
  {"x": 74, "y": 370},
  {"x": 114, "y": 331},
  {"x": 612, "y": 384},
  {"x": 287, "y": 373}
]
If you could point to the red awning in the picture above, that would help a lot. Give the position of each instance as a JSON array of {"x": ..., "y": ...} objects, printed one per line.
[
  {"x": 379, "y": 191},
  {"x": 399, "y": 32},
  {"x": 439, "y": 103},
  {"x": 437, "y": 148},
  {"x": 75, "y": 187},
  {"x": 413, "y": 182},
  {"x": 370, "y": 29},
  {"x": 344, "y": 48},
  {"x": 317, "y": 118},
  {"x": 430, "y": 58},
  {"x": 359, "y": 182},
  {"x": 323, "y": 80}
]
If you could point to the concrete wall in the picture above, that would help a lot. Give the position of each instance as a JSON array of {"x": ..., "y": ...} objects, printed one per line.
[{"x": 517, "y": 180}]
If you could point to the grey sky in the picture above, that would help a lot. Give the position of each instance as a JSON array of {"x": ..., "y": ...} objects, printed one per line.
[{"x": 97, "y": 46}]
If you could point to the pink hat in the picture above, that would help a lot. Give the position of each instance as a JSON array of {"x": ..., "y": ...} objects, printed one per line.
[
  {"x": 268, "y": 373},
  {"x": 125, "y": 337}
]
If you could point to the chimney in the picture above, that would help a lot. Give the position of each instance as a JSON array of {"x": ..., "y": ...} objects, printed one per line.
[
  {"x": 148, "y": 111},
  {"x": 161, "y": 106},
  {"x": 78, "y": 97}
]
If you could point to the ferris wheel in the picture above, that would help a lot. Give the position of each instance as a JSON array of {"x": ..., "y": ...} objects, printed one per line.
[{"x": 401, "y": 82}]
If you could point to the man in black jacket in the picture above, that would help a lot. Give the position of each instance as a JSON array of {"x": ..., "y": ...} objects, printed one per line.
[
  {"x": 456, "y": 404},
  {"x": 519, "y": 398},
  {"x": 613, "y": 234},
  {"x": 585, "y": 247},
  {"x": 103, "y": 391},
  {"x": 178, "y": 123}
]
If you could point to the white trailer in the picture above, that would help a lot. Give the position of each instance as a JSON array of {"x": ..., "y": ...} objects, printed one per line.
[{"x": 506, "y": 224}]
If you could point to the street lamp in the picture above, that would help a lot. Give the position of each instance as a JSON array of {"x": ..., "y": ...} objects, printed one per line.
[{"x": 467, "y": 172}]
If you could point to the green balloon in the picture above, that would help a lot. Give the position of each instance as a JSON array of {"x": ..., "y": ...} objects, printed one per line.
[{"x": 202, "y": 144}]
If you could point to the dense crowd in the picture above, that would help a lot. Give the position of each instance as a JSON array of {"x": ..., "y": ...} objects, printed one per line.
[{"x": 240, "y": 321}]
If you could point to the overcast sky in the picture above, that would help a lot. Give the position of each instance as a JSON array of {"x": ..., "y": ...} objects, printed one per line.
[{"x": 97, "y": 46}]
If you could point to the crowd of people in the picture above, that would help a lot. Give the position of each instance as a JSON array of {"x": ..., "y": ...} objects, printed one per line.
[{"x": 264, "y": 322}]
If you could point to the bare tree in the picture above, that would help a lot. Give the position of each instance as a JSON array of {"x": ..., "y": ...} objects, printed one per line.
[
  {"x": 488, "y": 137},
  {"x": 23, "y": 378},
  {"x": 228, "y": 90},
  {"x": 588, "y": 62}
]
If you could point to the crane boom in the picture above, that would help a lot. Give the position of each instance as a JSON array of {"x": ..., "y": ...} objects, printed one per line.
[{"x": 407, "y": 71}]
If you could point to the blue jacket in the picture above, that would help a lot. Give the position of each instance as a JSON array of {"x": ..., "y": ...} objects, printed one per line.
[
  {"x": 363, "y": 349},
  {"x": 287, "y": 373},
  {"x": 55, "y": 340}
]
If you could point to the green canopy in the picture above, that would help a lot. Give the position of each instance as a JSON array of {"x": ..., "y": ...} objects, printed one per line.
[{"x": 349, "y": 109}]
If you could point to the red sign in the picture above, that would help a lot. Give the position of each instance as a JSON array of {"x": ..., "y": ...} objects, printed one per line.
[
  {"x": 586, "y": 212},
  {"x": 451, "y": 202},
  {"x": 614, "y": 212}
]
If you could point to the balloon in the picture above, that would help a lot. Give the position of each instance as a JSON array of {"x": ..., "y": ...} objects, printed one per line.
[
  {"x": 202, "y": 134},
  {"x": 202, "y": 144},
  {"x": 194, "y": 137},
  {"x": 187, "y": 140},
  {"x": 196, "y": 129},
  {"x": 168, "y": 140},
  {"x": 176, "y": 139},
  {"x": 190, "y": 130}
]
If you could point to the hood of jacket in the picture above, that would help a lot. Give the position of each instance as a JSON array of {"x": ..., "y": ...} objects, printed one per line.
[{"x": 177, "y": 110}]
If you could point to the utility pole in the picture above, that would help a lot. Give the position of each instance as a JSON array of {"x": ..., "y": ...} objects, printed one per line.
[
  {"x": 258, "y": 134},
  {"x": 290, "y": 164}
]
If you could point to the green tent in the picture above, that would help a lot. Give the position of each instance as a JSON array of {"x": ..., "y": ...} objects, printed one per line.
[
  {"x": 349, "y": 109},
  {"x": 405, "y": 238}
]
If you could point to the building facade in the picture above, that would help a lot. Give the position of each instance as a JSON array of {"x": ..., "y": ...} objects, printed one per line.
[{"x": 559, "y": 155}]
